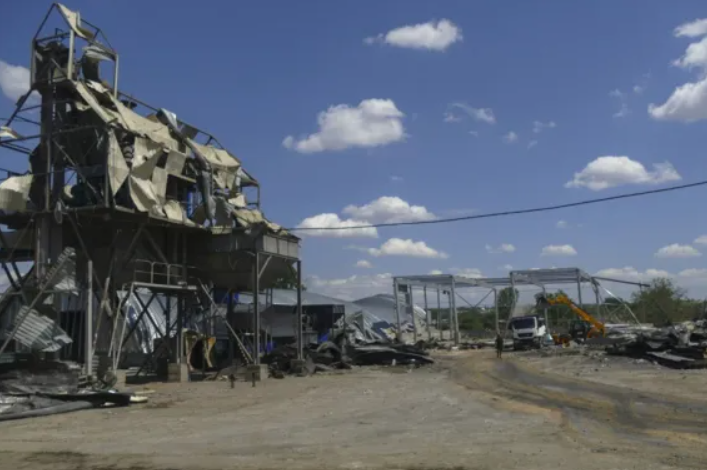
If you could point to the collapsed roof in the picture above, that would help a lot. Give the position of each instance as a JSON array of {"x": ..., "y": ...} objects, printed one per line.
[{"x": 149, "y": 163}]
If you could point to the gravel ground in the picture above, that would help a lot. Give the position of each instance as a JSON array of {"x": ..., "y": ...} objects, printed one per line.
[
  {"x": 639, "y": 375},
  {"x": 428, "y": 418}
]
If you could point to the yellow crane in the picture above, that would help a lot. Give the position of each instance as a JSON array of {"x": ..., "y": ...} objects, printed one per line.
[{"x": 597, "y": 327}]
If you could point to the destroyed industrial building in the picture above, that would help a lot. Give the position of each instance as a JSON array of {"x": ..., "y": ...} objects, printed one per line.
[{"x": 124, "y": 205}]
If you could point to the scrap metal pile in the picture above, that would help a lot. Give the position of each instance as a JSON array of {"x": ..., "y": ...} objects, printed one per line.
[
  {"x": 48, "y": 388},
  {"x": 681, "y": 346},
  {"x": 343, "y": 354}
]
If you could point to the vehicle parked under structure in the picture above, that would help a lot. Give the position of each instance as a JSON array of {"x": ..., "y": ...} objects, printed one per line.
[{"x": 120, "y": 198}]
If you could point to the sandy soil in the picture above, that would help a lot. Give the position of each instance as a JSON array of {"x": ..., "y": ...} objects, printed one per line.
[{"x": 466, "y": 412}]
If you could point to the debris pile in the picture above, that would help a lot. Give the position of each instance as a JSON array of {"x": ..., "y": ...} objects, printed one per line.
[
  {"x": 680, "y": 346},
  {"x": 330, "y": 356},
  {"x": 50, "y": 388}
]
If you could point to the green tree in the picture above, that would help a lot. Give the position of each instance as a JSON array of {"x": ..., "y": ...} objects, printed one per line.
[
  {"x": 288, "y": 281},
  {"x": 662, "y": 302},
  {"x": 506, "y": 300}
]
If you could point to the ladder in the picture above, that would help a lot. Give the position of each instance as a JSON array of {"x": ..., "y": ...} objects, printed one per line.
[{"x": 241, "y": 347}]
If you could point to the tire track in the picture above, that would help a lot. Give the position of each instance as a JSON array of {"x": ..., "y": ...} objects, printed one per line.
[{"x": 600, "y": 417}]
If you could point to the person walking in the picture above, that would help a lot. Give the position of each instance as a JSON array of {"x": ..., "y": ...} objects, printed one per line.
[{"x": 499, "y": 345}]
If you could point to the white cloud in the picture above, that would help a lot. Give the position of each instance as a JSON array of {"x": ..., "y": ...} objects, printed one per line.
[
  {"x": 630, "y": 273},
  {"x": 396, "y": 178},
  {"x": 561, "y": 224},
  {"x": 372, "y": 123},
  {"x": 688, "y": 102},
  {"x": 432, "y": 36},
  {"x": 623, "y": 111},
  {"x": 388, "y": 209},
  {"x": 477, "y": 114},
  {"x": 692, "y": 29},
  {"x": 502, "y": 248},
  {"x": 638, "y": 89},
  {"x": 449, "y": 117},
  {"x": 539, "y": 126},
  {"x": 333, "y": 221},
  {"x": 558, "y": 250},
  {"x": 701, "y": 240},
  {"x": 623, "y": 105},
  {"x": 610, "y": 171},
  {"x": 473, "y": 273},
  {"x": 474, "y": 133},
  {"x": 435, "y": 272},
  {"x": 362, "y": 263},
  {"x": 694, "y": 273},
  {"x": 532, "y": 143},
  {"x": 506, "y": 267},
  {"x": 677, "y": 251},
  {"x": 406, "y": 247},
  {"x": 695, "y": 56},
  {"x": 510, "y": 137},
  {"x": 14, "y": 81},
  {"x": 353, "y": 287}
]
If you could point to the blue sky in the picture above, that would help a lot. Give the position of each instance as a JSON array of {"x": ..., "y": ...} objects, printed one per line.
[{"x": 423, "y": 113}]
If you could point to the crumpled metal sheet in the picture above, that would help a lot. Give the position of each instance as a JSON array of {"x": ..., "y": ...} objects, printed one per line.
[
  {"x": 159, "y": 183},
  {"x": 248, "y": 217},
  {"x": 145, "y": 157},
  {"x": 174, "y": 211},
  {"x": 14, "y": 193},
  {"x": 118, "y": 170},
  {"x": 238, "y": 201},
  {"x": 217, "y": 157},
  {"x": 142, "y": 193},
  {"x": 37, "y": 332},
  {"x": 175, "y": 163},
  {"x": 104, "y": 114},
  {"x": 73, "y": 18},
  {"x": 8, "y": 133}
]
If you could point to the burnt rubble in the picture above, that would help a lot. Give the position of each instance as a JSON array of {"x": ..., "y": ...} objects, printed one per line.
[
  {"x": 340, "y": 354},
  {"x": 679, "y": 346}
]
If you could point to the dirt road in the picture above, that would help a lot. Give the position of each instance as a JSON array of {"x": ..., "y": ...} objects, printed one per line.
[{"x": 471, "y": 412}]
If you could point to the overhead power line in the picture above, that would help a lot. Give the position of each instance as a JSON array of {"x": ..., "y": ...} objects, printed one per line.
[{"x": 489, "y": 215}]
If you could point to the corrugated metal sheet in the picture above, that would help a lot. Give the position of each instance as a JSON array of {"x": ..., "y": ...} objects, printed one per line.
[{"x": 37, "y": 332}]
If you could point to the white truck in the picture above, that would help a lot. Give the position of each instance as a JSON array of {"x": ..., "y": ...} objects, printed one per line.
[{"x": 528, "y": 332}]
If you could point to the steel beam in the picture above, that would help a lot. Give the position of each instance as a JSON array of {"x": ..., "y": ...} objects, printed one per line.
[{"x": 300, "y": 333}]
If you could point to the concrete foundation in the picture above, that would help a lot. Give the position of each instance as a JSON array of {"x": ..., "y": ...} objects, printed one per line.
[
  {"x": 177, "y": 373},
  {"x": 260, "y": 372},
  {"x": 121, "y": 378}
]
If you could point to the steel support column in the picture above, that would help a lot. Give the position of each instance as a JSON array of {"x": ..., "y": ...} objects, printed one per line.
[
  {"x": 300, "y": 333},
  {"x": 427, "y": 313},
  {"x": 450, "y": 315},
  {"x": 454, "y": 311},
  {"x": 439, "y": 313},
  {"x": 180, "y": 329},
  {"x": 495, "y": 308},
  {"x": 412, "y": 313},
  {"x": 399, "y": 333},
  {"x": 256, "y": 309},
  {"x": 88, "y": 346}
]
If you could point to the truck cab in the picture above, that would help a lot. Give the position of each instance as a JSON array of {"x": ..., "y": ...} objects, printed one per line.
[{"x": 528, "y": 332}]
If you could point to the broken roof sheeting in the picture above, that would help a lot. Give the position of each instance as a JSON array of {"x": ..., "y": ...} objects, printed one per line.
[
  {"x": 14, "y": 193},
  {"x": 36, "y": 332},
  {"x": 73, "y": 19},
  {"x": 377, "y": 308},
  {"x": 216, "y": 156}
]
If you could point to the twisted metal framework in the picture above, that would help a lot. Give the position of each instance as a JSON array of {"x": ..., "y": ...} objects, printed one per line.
[
  {"x": 449, "y": 285},
  {"x": 134, "y": 198}
]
